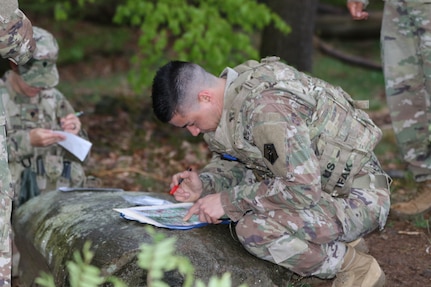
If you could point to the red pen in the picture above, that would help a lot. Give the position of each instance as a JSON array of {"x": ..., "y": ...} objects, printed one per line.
[{"x": 174, "y": 189}]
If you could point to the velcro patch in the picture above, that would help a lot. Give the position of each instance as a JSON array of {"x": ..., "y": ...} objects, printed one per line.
[{"x": 270, "y": 153}]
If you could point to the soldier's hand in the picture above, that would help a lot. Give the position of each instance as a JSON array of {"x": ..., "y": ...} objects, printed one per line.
[
  {"x": 71, "y": 124},
  {"x": 190, "y": 189},
  {"x": 209, "y": 209},
  {"x": 43, "y": 137},
  {"x": 356, "y": 10}
]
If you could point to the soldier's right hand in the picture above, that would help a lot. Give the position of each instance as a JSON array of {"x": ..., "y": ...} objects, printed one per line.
[
  {"x": 190, "y": 189},
  {"x": 43, "y": 137},
  {"x": 356, "y": 9}
]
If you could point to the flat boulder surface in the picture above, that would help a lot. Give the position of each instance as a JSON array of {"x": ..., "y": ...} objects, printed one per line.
[{"x": 50, "y": 227}]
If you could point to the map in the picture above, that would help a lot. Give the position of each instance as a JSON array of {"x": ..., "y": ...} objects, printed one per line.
[{"x": 165, "y": 216}]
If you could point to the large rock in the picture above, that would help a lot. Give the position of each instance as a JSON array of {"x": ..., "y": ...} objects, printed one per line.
[{"x": 50, "y": 227}]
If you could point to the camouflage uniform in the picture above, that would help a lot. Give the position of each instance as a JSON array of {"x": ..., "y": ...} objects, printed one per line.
[
  {"x": 15, "y": 33},
  {"x": 267, "y": 167},
  {"x": 16, "y": 44},
  {"x": 6, "y": 195},
  {"x": 53, "y": 165},
  {"x": 406, "y": 55}
]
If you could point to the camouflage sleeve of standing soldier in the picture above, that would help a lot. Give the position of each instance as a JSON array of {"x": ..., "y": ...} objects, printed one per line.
[{"x": 281, "y": 122}]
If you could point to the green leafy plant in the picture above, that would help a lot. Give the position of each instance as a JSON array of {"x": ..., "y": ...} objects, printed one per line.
[
  {"x": 205, "y": 31},
  {"x": 157, "y": 258},
  {"x": 81, "y": 272},
  {"x": 212, "y": 33},
  {"x": 421, "y": 222}
]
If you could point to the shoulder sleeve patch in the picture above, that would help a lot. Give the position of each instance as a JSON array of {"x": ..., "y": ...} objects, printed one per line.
[{"x": 270, "y": 153}]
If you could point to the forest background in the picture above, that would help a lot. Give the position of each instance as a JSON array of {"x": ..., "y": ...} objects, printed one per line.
[{"x": 110, "y": 50}]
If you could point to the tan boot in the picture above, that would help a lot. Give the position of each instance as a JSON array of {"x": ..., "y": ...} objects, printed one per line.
[
  {"x": 359, "y": 270},
  {"x": 360, "y": 245},
  {"x": 418, "y": 205}
]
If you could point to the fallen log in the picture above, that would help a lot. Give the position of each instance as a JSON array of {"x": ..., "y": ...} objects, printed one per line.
[
  {"x": 343, "y": 26},
  {"x": 347, "y": 58}
]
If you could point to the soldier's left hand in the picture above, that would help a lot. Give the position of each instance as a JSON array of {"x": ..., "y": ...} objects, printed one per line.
[{"x": 209, "y": 209}]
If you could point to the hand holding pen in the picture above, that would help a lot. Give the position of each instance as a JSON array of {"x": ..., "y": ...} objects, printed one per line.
[
  {"x": 71, "y": 123},
  {"x": 175, "y": 187}
]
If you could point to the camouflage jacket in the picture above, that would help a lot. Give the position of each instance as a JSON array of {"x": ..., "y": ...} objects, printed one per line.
[
  {"x": 42, "y": 111},
  {"x": 276, "y": 137}
]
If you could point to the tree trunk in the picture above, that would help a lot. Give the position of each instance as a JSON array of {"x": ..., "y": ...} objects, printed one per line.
[{"x": 296, "y": 48}]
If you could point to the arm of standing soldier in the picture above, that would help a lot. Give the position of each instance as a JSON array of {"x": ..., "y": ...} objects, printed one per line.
[
  {"x": 21, "y": 143},
  {"x": 356, "y": 9}
]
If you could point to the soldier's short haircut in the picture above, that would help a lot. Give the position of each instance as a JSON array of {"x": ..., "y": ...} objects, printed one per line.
[{"x": 173, "y": 86}]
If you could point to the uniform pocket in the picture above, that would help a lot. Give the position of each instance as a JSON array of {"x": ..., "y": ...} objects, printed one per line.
[
  {"x": 286, "y": 247},
  {"x": 53, "y": 166},
  {"x": 77, "y": 175}
]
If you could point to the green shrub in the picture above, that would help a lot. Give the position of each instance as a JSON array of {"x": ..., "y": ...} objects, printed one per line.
[{"x": 156, "y": 258}]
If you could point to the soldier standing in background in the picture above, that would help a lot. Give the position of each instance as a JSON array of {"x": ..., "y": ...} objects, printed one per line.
[
  {"x": 35, "y": 110},
  {"x": 17, "y": 44},
  {"x": 406, "y": 55}
]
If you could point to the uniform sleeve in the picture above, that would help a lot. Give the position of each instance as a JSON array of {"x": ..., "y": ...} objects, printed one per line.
[
  {"x": 281, "y": 125},
  {"x": 221, "y": 174}
]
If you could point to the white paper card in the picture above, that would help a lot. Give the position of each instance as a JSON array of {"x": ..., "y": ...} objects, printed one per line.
[{"x": 76, "y": 145}]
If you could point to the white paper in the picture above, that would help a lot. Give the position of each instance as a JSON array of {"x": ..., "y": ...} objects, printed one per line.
[{"x": 76, "y": 145}]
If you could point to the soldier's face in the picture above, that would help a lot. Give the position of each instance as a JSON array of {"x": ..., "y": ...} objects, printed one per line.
[
  {"x": 201, "y": 120},
  {"x": 30, "y": 91},
  {"x": 25, "y": 88}
]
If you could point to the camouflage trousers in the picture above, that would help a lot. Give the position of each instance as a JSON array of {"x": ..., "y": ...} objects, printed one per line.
[
  {"x": 406, "y": 56},
  {"x": 5, "y": 241},
  {"x": 312, "y": 241}
]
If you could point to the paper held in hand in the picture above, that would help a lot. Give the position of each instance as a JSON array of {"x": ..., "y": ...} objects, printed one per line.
[{"x": 76, "y": 145}]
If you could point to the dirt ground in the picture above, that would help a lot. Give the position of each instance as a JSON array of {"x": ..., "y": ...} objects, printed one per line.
[{"x": 403, "y": 248}]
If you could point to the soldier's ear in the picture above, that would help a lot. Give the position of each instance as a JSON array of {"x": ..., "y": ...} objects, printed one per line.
[{"x": 204, "y": 96}]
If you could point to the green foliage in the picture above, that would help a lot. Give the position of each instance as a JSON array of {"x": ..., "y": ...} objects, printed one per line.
[
  {"x": 157, "y": 258},
  {"x": 45, "y": 280},
  {"x": 421, "y": 222},
  {"x": 211, "y": 33},
  {"x": 81, "y": 272}
]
